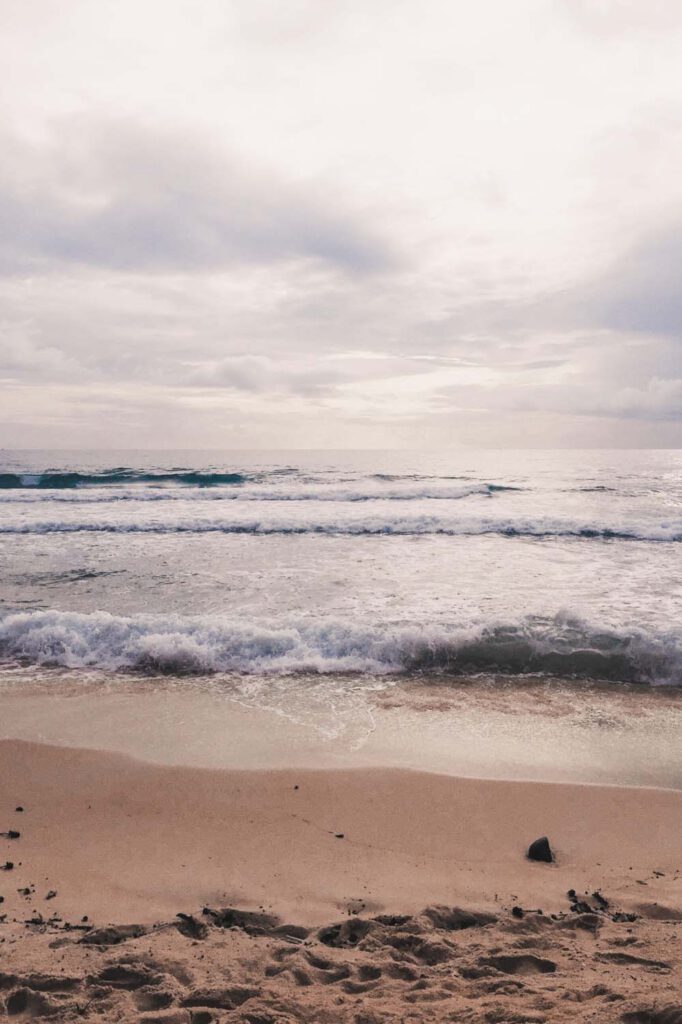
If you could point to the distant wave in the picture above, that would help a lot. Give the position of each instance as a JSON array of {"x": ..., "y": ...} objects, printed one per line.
[
  {"x": 66, "y": 481},
  {"x": 557, "y": 647},
  {"x": 369, "y": 526}
]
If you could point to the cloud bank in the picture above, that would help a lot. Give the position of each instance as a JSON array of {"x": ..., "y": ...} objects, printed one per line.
[{"x": 341, "y": 225}]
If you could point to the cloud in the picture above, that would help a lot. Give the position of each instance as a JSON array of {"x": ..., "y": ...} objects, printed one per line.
[
  {"x": 121, "y": 196},
  {"x": 251, "y": 227},
  {"x": 641, "y": 291},
  {"x": 638, "y": 292},
  {"x": 616, "y": 18}
]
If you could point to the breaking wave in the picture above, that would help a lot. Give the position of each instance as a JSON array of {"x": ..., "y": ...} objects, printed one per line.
[
  {"x": 559, "y": 646},
  {"x": 370, "y": 526}
]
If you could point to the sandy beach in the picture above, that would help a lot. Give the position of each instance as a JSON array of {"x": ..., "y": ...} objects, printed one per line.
[{"x": 360, "y": 895}]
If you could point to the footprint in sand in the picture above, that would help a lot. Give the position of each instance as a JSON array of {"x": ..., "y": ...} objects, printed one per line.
[
  {"x": 525, "y": 964},
  {"x": 665, "y": 1015}
]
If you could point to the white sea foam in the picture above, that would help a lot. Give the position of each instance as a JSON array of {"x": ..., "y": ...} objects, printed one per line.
[
  {"x": 561, "y": 646},
  {"x": 362, "y": 491}
]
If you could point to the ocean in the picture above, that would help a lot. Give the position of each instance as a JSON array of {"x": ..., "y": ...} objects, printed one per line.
[{"x": 294, "y": 576}]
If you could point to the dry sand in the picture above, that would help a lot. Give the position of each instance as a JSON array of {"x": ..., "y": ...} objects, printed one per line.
[{"x": 353, "y": 877}]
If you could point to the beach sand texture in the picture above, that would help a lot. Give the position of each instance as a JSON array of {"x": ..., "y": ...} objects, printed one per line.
[{"x": 369, "y": 895}]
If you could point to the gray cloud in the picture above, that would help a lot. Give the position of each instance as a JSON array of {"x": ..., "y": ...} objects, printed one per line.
[
  {"x": 120, "y": 196},
  {"x": 342, "y": 248},
  {"x": 642, "y": 291}
]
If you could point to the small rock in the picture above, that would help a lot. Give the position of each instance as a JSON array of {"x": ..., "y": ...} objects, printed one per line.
[
  {"x": 517, "y": 912},
  {"x": 540, "y": 850},
  {"x": 18, "y": 809},
  {"x": 339, "y": 835}
]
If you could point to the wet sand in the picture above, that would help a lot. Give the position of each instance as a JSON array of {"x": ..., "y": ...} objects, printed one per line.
[{"x": 571, "y": 732}]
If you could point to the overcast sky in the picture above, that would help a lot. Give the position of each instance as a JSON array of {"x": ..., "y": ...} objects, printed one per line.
[{"x": 340, "y": 223}]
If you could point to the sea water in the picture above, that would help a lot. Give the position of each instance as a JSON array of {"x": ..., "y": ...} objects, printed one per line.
[{"x": 317, "y": 575}]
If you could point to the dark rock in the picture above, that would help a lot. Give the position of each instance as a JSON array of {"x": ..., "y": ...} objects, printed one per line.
[
  {"x": 7, "y": 866},
  {"x": 10, "y": 834},
  {"x": 339, "y": 835},
  {"x": 517, "y": 912},
  {"x": 601, "y": 900},
  {"x": 541, "y": 850},
  {"x": 578, "y": 906},
  {"x": 51, "y": 894},
  {"x": 19, "y": 809}
]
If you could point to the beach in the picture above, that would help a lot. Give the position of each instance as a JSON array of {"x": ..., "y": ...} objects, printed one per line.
[
  {"x": 277, "y": 732},
  {"x": 341, "y": 512},
  {"x": 354, "y": 894}
]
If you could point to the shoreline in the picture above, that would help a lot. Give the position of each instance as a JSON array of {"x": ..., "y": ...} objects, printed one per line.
[{"x": 478, "y": 730}]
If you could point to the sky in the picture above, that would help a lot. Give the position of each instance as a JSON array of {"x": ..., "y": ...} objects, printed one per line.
[{"x": 340, "y": 223}]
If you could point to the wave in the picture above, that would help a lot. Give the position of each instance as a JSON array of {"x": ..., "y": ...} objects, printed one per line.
[
  {"x": 597, "y": 489},
  {"x": 249, "y": 492},
  {"x": 52, "y": 480},
  {"x": 371, "y": 526},
  {"x": 559, "y": 646}
]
